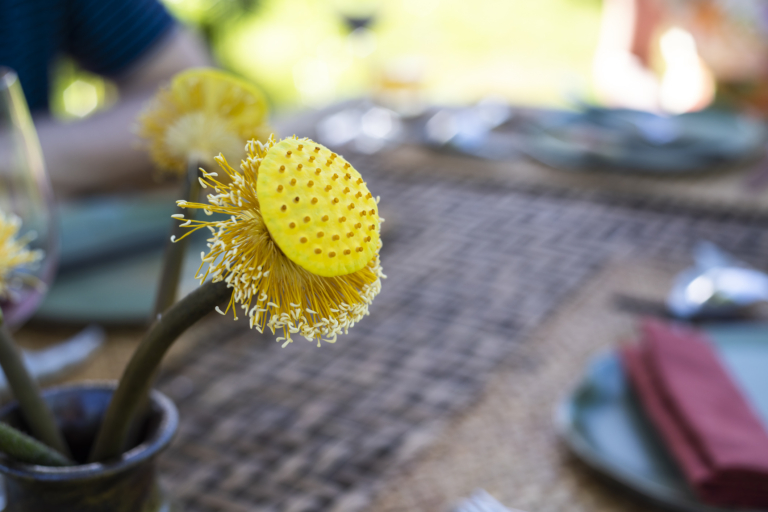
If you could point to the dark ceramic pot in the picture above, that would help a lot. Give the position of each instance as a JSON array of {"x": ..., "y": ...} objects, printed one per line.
[{"x": 125, "y": 485}]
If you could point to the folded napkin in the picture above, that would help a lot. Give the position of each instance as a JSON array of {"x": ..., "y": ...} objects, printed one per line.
[{"x": 703, "y": 417}]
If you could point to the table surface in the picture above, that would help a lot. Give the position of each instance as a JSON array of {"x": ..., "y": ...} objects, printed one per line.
[{"x": 485, "y": 274}]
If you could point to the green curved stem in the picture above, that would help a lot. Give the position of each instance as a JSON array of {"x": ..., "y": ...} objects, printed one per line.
[
  {"x": 137, "y": 378},
  {"x": 174, "y": 251},
  {"x": 35, "y": 411},
  {"x": 28, "y": 450}
]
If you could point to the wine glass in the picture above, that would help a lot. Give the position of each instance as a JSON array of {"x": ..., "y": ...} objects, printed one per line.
[{"x": 25, "y": 192}]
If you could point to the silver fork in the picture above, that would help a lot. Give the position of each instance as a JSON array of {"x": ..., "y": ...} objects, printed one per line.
[{"x": 481, "y": 501}]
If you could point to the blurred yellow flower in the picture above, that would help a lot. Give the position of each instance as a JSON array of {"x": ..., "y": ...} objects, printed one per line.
[
  {"x": 300, "y": 242},
  {"x": 14, "y": 255},
  {"x": 203, "y": 112}
]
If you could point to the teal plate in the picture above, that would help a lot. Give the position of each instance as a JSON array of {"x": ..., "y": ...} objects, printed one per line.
[
  {"x": 110, "y": 258},
  {"x": 604, "y": 425}
]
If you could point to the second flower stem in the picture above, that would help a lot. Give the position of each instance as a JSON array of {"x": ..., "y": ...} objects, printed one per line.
[{"x": 173, "y": 258}]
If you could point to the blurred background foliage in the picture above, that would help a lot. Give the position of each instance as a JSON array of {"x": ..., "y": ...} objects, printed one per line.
[{"x": 308, "y": 53}]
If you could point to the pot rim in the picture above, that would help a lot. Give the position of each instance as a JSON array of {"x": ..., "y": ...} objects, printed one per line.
[{"x": 144, "y": 451}]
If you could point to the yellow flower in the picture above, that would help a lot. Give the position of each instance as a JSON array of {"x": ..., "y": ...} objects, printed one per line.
[
  {"x": 15, "y": 256},
  {"x": 300, "y": 242},
  {"x": 202, "y": 113}
]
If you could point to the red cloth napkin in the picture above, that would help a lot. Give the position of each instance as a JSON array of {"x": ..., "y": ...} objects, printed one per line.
[{"x": 711, "y": 430}]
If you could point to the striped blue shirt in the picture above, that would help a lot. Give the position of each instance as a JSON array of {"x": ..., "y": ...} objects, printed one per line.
[{"x": 103, "y": 36}]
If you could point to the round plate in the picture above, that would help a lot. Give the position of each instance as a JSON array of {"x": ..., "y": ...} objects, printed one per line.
[
  {"x": 604, "y": 424},
  {"x": 621, "y": 140}
]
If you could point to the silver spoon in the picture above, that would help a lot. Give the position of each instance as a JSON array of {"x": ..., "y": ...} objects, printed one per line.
[{"x": 717, "y": 285}]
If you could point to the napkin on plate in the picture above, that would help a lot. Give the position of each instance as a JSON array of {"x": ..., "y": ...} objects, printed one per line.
[{"x": 703, "y": 417}]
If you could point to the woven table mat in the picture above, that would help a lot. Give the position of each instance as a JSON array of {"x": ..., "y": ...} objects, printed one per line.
[
  {"x": 472, "y": 270},
  {"x": 506, "y": 443}
]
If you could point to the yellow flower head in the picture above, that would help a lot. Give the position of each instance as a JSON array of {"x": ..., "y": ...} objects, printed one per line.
[
  {"x": 201, "y": 113},
  {"x": 15, "y": 256},
  {"x": 300, "y": 244}
]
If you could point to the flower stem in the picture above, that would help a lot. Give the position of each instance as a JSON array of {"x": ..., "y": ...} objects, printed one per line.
[
  {"x": 174, "y": 251},
  {"x": 28, "y": 450},
  {"x": 35, "y": 411},
  {"x": 138, "y": 375}
]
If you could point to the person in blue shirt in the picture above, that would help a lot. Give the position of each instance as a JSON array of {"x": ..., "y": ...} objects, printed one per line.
[{"x": 135, "y": 43}]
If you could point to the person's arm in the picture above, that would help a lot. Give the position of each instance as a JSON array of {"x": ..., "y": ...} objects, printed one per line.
[
  {"x": 100, "y": 153},
  {"x": 620, "y": 69}
]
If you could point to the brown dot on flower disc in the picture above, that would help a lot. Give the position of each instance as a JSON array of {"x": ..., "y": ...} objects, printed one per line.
[
  {"x": 318, "y": 250},
  {"x": 335, "y": 237},
  {"x": 296, "y": 199},
  {"x": 320, "y": 234},
  {"x": 314, "y": 200},
  {"x": 331, "y": 254},
  {"x": 283, "y": 208},
  {"x": 325, "y": 218},
  {"x": 292, "y": 225},
  {"x": 307, "y": 219},
  {"x": 303, "y": 239}
]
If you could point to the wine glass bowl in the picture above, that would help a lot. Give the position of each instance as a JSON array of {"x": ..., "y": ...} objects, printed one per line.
[{"x": 25, "y": 192}]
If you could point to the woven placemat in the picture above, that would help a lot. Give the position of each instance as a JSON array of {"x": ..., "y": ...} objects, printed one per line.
[
  {"x": 473, "y": 269},
  {"x": 506, "y": 443}
]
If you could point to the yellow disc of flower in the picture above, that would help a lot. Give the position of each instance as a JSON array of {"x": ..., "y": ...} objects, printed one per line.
[
  {"x": 317, "y": 208},
  {"x": 202, "y": 113}
]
